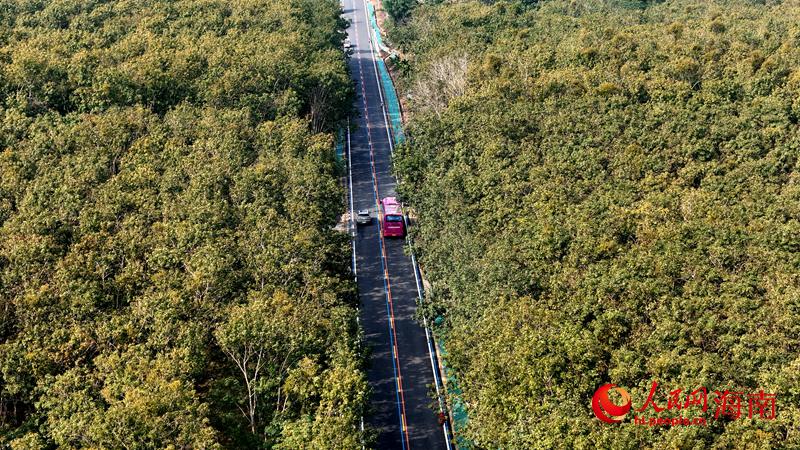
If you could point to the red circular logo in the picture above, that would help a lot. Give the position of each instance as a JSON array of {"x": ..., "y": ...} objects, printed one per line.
[{"x": 607, "y": 411}]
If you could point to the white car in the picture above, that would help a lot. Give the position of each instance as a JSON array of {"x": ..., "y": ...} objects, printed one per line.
[{"x": 347, "y": 45}]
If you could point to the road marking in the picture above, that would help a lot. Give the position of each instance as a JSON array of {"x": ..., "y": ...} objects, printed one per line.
[
  {"x": 387, "y": 285},
  {"x": 353, "y": 229},
  {"x": 378, "y": 80},
  {"x": 429, "y": 341}
]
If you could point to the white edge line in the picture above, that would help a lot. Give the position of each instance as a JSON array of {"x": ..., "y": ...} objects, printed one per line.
[
  {"x": 352, "y": 233},
  {"x": 352, "y": 207},
  {"x": 378, "y": 80},
  {"x": 403, "y": 432},
  {"x": 413, "y": 259}
]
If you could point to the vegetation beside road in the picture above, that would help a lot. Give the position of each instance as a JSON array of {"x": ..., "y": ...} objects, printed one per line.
[
  {"x": 608, "y": 191},
  {"x": 169, "y": 276}
]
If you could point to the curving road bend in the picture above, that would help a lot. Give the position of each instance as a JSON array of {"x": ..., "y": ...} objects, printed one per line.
[{"x": 401, "y": 371}]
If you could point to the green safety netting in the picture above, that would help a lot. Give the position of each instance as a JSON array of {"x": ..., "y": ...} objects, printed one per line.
[
  {"x": 389, "y": 93},
  {"x": 374, "y": 22},
  {"x": 457, "y": 408}
]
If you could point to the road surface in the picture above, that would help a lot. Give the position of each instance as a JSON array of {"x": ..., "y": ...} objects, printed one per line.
[{"x": 401, "y": 372}]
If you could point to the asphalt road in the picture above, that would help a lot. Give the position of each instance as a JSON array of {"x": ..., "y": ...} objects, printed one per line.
[{"x": 400, "y": 372}]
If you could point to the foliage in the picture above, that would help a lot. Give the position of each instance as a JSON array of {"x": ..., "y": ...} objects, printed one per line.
[
  {"x": 168, "y": 193},
  {"x": 399, "y": 9},
  {"x": 612, "y": 197}
]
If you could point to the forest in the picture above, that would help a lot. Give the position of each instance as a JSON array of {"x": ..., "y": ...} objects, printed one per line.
[
  {"x": 169, "y": 272},
  {"x": 607, "y": 192}
]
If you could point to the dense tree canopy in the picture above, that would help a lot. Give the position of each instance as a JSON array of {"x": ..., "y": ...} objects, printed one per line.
[
  {"x": 169, "y": 275},
  {"x": 609, "y": 191}
]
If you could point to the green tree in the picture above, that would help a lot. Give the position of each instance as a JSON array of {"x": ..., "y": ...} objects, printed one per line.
[
  {"x": 162, "y": 165},
  {"x": 399, "y": 9},
  {"x": 609, "y": 196}
]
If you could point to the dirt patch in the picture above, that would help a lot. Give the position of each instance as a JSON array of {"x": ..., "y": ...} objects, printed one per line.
[{"x": 380, "y": 14}]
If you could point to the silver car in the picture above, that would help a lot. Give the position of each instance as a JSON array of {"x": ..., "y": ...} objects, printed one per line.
[{"x": 363, "y": 217}]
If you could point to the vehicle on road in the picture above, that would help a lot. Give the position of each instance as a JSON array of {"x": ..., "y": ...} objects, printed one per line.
[
  {"x": 363, "y": 217},
  {"x": 347, "y": 45},
  {"x": 394, "y": 224}
]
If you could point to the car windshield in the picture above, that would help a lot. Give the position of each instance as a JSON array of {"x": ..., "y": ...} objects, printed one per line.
[{"x": 394, "y": 218}]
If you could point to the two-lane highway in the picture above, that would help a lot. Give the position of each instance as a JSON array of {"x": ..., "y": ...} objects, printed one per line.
[{"x": 401, "y": 371}]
